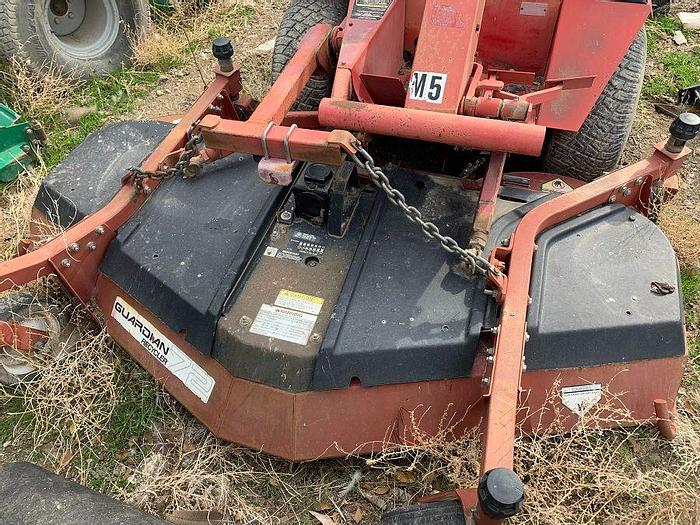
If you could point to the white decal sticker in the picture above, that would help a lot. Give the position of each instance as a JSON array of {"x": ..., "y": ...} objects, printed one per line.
[
  {"x": 429, "y": 87},
  {"x": 284, "y": 324},
  {"x": 533, "y": 9},
  {"x": 270, "y": 251},
  {"x": 170, "y": 356},
  {"x": 580, "y": 399},
  {"x": 299, "y": 301}
]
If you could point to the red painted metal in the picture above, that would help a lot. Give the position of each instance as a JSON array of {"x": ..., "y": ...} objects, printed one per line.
[
  {"x": 486, "y": 207},
  {"x": 297, "y": 73},
  {"x": 447, "y": 45},
  {"x": 590, "y": 40},
  {"x": 664, "y": 419},
  {"x": 20, "y": 337},
  {"x": 504, "y": 382},
  {"x": 457, "y": 130}
]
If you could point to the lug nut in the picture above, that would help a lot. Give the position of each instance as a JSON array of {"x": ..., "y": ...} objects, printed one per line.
[{"x": 485, "y": 381}]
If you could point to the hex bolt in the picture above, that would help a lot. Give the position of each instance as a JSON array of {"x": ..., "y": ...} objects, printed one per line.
[
  {"x": 524, "y": 368},
  {"x": 286, "y": 216},
  {"x": 91, "y": 246},
  {"x": 222, "y": 49},
  {"x": 492, "y": 293},
  {"x": 633, "y": 217},
  {"x": 65, "y": 263},
  {"x": 485, "y": 381},
  {"x": 490, "y": 351},
  {"x": 146, "y": 189},
  {"x": 612, "y": 199},
  {"x": 638, "y": 181},
  {"x": 494, "y": 330},
  {"x": 74, "y": 248},
  {"x": 527, "y": 337},
  {"x": 29, "y": 131},
  {"x": 315, "y": 338},
  {"x": 100, "y": 230},
  {"x": 490, "y": 359},
  {"x": 626, "y": 191},
  {"x": 26, "y": 148},
  {"x": 505, "y": 242},
  {"x": 245, "y": 321}
]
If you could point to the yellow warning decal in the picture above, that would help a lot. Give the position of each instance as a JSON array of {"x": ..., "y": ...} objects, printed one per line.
[{"x": 299, "y": 301}]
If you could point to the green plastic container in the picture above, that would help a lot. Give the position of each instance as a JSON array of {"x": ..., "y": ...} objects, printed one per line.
[{"x": 15, "y": 146}]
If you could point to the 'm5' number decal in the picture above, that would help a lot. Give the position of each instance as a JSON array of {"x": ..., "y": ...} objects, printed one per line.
[{"x": 429, "y": 87}]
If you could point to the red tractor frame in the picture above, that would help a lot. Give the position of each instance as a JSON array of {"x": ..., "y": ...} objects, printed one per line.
[{"x": 464, "y": 55}]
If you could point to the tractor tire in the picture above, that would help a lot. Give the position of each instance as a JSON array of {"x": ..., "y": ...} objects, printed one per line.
[
  {"x": 300, "y": 16},
  {"x": 439, "y": 513},
  {"x": 83, "y": 37},
  {"x": 596, "y": 148}
]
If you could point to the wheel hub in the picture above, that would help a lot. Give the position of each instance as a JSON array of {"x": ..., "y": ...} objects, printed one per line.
[{"x": 83, "y": 29}]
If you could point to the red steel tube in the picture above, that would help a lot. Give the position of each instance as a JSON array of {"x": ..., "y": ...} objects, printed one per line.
[
  {"x": 664, "y": 419},
  {"x": 443, "y": 128}
]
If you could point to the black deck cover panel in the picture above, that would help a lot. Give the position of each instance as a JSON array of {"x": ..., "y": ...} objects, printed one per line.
[
  {"x": 181, "y": 254},
  {"x": 406, "y": 312},
  {"x": 591, "y": 292},
  {"x": 87, "y": 180}
]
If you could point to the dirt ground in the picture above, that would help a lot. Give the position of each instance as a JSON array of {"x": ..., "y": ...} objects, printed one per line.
[{"x": 102, "y": 420}]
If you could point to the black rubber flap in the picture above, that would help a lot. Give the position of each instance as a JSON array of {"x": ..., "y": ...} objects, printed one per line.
[
  {"x": 592, "y": 295},
  {"x": 181, "y": 254},
  {"x": 91, "y": 175},
  {"x": 406, "y": 313}
]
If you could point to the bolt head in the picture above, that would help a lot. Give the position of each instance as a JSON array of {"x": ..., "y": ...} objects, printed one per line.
[
  {"x": 26, "y": 148},
  {"x": 524, "y": 368},
  {"x": 638, "y": 181},
  {"x": 490, "y": 359},
  {"x": 100, "y": 230},
  {"x": 315, "y": 338},
  {"x": 245, "y": 321},
  {"x": 612, "y": 199},
  {"x": 286, "y": 216},
  {"x": 91, "y": 246},
  {"x": 146, "y": 189},
  {"x": 485, "y": 381},
  {"x": 625, "y": 191},
  {"x": 65, "y": 263},
  {"x": 74, "y": 248}
]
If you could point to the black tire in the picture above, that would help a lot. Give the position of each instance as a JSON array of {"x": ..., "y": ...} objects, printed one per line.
[
  {"x": 597, "y": 147},
  {"x": 439, "y": 513},
  {"x": 300, "y": 16},
  {"x": 99, "y": 44}
]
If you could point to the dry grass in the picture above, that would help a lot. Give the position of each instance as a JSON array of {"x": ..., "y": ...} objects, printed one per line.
[{"x": 679, "y": 220}]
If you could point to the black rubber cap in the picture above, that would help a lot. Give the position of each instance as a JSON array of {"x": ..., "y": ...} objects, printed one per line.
[
  {"x": 501, "y": 493},
  {"x": 318, "y": 174},
  {"x": 222, "y": 48},
  {"x": 685, "y": 127}
]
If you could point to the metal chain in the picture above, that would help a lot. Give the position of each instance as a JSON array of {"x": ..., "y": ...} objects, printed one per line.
[
  {"x": 474, "y": 262},
  {"x": 179, "y": 169}
]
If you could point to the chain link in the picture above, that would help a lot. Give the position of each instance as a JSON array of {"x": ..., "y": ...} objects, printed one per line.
[
  {"x": 474, "y": 262},
  {"x": 181, "y": 167}
]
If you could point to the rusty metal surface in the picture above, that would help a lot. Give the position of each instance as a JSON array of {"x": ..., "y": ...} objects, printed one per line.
[{"x": 456, "y": 130}]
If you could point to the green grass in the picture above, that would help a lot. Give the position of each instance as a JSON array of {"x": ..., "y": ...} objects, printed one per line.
[
  {"x": 113, "y": 96},
  {"x": 678, "y": 67},
  {"x": 11, "y": 414}
]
